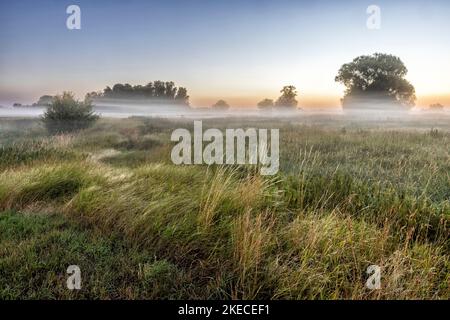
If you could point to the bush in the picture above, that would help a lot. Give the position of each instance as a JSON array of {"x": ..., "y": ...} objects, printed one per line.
[
  {"x": 436, "y": 106},
  {"x": 266, "y": 104},
  {"x": 221, "y": 105},
  {"x": 65, "y": 114}
]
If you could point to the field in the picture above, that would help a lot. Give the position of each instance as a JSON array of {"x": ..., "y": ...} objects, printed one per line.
[{"x": 349, "y": 194}]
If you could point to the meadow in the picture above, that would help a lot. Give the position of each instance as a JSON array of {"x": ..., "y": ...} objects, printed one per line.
[{"x": 350, "y": 193}]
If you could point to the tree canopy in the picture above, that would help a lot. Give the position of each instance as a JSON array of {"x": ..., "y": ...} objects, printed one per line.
[
  {"x": 376, "y": 78},
  {"x": 287, "y": 98},
  {"x": 221, "y": 105},
  {"x": 65, "y": 114},
  {"x": 266, "y": 104},
  {"x": 45, "y": 100},
  {"x": 157, "y": 91}
]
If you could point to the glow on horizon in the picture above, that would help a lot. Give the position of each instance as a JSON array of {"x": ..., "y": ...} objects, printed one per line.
[{"x": 241, "y": 52}]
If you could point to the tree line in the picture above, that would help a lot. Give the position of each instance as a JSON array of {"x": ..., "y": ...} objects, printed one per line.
[
  {"x": 157, "y": 91},
  {"x": 286, "y": 100},
  {"x": 369, "y": 79}
]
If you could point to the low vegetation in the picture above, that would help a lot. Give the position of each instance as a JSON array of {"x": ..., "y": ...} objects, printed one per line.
[
  {"x": 65, "y": 114},
  {"x": 109, "y": 200}
]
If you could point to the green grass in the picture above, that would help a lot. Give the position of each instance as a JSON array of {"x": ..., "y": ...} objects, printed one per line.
[
  {"x": 37, "y": 249},
  {"x": 109, "y": 200}
]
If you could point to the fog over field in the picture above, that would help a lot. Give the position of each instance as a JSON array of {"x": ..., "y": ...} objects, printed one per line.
[
  {"x": 385, "y": 116},
  {"x": 236, "y": 151}
]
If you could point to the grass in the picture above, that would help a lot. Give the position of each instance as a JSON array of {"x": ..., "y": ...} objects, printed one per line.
[
  {"x": 109, "y": 200},
  {"x": 36, "y": 250}
]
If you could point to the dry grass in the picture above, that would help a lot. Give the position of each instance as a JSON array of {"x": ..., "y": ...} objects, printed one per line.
[
  {"x": 344, "y": 200},
  {"x": 252, "y": 239}
]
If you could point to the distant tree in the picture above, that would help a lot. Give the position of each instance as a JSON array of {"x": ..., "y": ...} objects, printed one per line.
[
  {"x": 377, "y": 78},
  {"x": 149, "y": 90},
  {"x": 93, "y": 95},
  {"x": 182, "y": 96},
  {"x": 265, "y": 104},
  {"x": 66, "y": 114},
  {"x": 107, "y": 92},
  {"x": 45, "y": 100},
  {"x": 436, "y": 106},
  {"x": 138, "y": 91},
  {"x": 17, "y": 104},
  {"x": 287, "y": 98},
  {"x": 221, "y": 105},
  {"x": 158, "y": 91},
  {"x": 170, "y": 90},
  {"x": 118, "y": 90},
  {"x": 127, "y": 90}
]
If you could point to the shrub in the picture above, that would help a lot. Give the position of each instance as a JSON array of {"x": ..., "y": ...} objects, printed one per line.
[
  {"x": 266, "y": 104},
  {"x": 221, "y": 105},
  {"x": 436, "y": 106},
  {"x": 65, "y": 114}
]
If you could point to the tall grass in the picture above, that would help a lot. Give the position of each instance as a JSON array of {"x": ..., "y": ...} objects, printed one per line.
[
  {"x": 252, "y": 239},
  {"x": 343, "y": 200}
]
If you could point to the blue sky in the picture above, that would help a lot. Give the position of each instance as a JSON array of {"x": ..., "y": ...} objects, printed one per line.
[{"x": 241, "y": 51}]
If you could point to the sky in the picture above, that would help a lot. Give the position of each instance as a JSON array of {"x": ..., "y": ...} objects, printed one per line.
[{"x": 241, "y": 51}]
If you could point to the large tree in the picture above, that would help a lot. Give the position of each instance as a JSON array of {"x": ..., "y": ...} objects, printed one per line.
[{"x": 373, "y": 79}]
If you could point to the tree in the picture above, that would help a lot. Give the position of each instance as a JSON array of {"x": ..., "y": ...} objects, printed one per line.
[
  {"x": 170, "y": 90},
  {"x": 127, "y": 90},
  {"x": 45, "y": 100},
  {"x": 221, "y": 105},
  {"x": 118, "y": 90},
  {"x": 152, "y": 92},
  {"x": 436, "y": 106},
  {"x": 93, "y": 95},
  {"x": 287, "y": 98},
  {"x": 182, "y": 96},
  {"x": 149, "y": 90},
  {"x": 66, "y": 114},
  {"x": 138, "y": 91},
  {"x": 107, "y": 92},
  {"x": 377, "y": 78},
  {"x": 160, "y": 89},
  {"x": 265, "y": 104}
]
